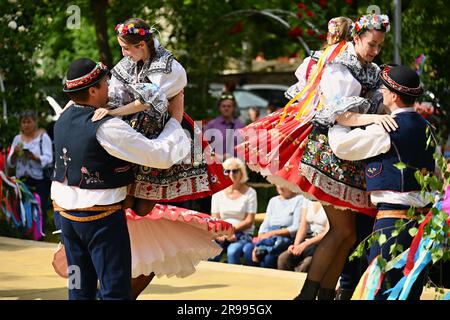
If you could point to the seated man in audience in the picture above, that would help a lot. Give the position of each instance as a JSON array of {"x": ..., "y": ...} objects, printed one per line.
[{"x": 277, "y": 231}]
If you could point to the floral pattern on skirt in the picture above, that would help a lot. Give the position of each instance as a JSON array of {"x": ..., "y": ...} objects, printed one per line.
[{"x": 318, "y": 154}]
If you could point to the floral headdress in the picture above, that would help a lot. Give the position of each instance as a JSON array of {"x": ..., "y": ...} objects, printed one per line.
[
  {"x": 370, "y": 22},
  {"x": 333, "y": 27},
  {"x": 131, "y": 29}
]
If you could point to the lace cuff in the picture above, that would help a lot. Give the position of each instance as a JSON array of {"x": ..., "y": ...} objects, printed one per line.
[
  {"x": 151, "y": 95},
  {"x": 328, "y": 114},
  {"x": 292, "y": 91},
  {"x": 118, "y": 94}
]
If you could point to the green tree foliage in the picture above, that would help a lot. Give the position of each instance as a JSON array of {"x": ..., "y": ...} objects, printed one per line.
[{"x": 203, "y": 35}]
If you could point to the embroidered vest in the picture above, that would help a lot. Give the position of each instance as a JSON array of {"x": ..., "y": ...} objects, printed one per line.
[
  {"x": 79, "y": 156},
  {"x": 408, "y": 145}
]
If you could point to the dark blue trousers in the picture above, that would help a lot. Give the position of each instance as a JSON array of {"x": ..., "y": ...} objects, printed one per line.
[
  {"x": 98, "y": 250},
  {"x": 386, "y": 226},
  {"x": 353, "y": 270}
]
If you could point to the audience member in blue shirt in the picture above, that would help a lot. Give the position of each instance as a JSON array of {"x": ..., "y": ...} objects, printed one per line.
[{"x": 277, "y": 231}]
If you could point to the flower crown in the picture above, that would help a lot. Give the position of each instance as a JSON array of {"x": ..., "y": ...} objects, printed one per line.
[
  {"x": 130, "y": 29},
  {"x": 371, "y": 21},
  {"x": 333, "y": 27}
]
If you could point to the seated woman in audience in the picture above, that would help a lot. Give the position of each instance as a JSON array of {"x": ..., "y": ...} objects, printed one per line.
[
  {"x": 313, "y": 227},
  {"x": 277, "y": 231},
  {"x": 236, "y": 205}
]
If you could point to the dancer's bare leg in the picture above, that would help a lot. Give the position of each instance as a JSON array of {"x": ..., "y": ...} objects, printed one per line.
[
  {"x": 140, "y": 283},
  {"x": 329, "y": 253},
  {"x": 129, "y": 202},
  {"x": 331, "y": 277},
  {"x": 342, "y": 227},
  {"x": 142, "y": 207}
]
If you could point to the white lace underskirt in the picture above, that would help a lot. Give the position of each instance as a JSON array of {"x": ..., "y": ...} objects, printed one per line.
[{"x": 168, "y": 248}]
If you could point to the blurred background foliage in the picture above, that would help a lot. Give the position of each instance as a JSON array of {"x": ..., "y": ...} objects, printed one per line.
[{"x": 37, "y": 45}]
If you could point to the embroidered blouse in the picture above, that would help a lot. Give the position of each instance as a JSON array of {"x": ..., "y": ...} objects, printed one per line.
[
  {"x": 348, "y": 85},
  {"x": 152, "y": 83}
]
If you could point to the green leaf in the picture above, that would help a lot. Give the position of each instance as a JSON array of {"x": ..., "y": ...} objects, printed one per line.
[
  {"x": 395, "y": 248},
  {"x": 437, "y": 255},
  {"x": 411, "y": 212},
  {"x": 419, "y": 177},
  {"x": 382, "y": 262},
  {"x": 382, "y": 239},
  {"x": 400, "y": 165},
  {"x": 358, "y": 252},
  {"x": 435, "y": 184},
  {"x": 412, "y": 232}
]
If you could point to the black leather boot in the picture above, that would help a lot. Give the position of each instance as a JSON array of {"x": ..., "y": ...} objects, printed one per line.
[
  {"x": 344, "y": 294},
  {"x": 326, "y": 294},
  {"x": 309, "y": 290}
]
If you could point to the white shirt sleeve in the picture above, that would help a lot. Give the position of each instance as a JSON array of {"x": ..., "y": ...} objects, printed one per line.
[
  {"x": 358, "y": 144},
  {"x": 173, "y": 82},
  {"x": 337, "y": 82},
  {"x": 251, "y": 201},
  {"x": 123, "y": 142},
  {"x": 215, "y": 207}
]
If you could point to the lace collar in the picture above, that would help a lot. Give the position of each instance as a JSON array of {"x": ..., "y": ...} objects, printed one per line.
[
  {"x": 368, "y": 75},
  {"x": 126, "y": 69}
]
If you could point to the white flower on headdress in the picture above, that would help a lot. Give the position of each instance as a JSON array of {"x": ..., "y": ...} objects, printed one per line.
[
  {"x": 371, "y": 21},
  {"x": 12, "y": 25},
  {"x": 332, "y": 27}
]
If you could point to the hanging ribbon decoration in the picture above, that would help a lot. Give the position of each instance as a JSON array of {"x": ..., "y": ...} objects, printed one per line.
[
  {"x": 20, "y": 206},
  {"x": 309, "y": 91},
  {"x": 413, "y": 261}
]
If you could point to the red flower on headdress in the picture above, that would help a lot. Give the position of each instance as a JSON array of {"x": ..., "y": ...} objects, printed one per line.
[
  {"x": 124, "y": 29},
  {"x": 142, "y": 32}
]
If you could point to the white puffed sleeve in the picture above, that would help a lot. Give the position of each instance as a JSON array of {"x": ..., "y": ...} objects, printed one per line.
[
  {"x": 340, "y": 93},
  {"x": 173, "y": 82},
  {"x": 300, "y": 73}
]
